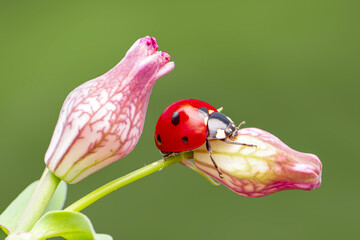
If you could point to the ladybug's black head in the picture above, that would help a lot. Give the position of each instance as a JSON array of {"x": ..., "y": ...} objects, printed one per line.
[
  {"x": 231, "y": 130},
  {"x": 221, "y": 126}
]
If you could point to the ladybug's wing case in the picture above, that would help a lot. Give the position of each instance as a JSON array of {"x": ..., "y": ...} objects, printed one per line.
[{"x": 182, "y": 126}]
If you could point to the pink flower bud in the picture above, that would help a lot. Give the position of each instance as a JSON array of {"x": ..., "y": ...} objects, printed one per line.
[
  {"x": 270, "y": 167},
  {"x": 102, "y": 119}
]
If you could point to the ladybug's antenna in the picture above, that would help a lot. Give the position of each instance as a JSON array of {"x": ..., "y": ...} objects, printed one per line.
[
  {"x": 243, "y": 122},
  {"x": 208, "y": 147},
  {"x": 237, "y": 143}
]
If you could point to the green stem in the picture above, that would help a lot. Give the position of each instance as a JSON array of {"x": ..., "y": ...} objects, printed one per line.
[
  {"x": 38, "y": 202},
  {"x": 122, "y": 181}
]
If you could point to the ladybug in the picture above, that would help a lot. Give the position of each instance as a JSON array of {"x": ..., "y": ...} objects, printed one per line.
[{"x": 187, "y": 124}]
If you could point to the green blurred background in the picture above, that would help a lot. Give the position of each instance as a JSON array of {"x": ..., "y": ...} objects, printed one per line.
[{"x": 288, "y": 67}]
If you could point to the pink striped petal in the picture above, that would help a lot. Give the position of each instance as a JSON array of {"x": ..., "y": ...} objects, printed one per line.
[
  {"x": 270, "y": 167},
  {"x": 101, "y": 120}
]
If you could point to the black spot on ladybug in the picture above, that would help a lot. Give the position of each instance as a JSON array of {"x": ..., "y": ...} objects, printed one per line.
[
  {"x": 175, "y": 119},
  {"x": 185, "y": 140},
  {"x": 158, "y": 139},
  {"x": 203, "y": 112}
]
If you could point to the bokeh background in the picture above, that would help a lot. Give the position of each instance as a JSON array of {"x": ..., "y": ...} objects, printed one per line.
[{"x": 288, "y": 67}]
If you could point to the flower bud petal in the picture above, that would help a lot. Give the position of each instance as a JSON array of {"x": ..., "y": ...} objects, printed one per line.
[
  {"x": 258, "y": 171},
  {"x": 102, "y": 119}
]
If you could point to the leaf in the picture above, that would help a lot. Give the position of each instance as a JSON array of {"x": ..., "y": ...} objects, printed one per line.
[
  {"x": 13, "y": 212},
  {"x": 103, "y": 237},
  {"x": 58, "y": 199},
  {"x": 67, "y": 224}
]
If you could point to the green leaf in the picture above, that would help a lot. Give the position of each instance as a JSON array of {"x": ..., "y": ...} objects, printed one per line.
[
  {"x": 103, "y": 237},
  {"x": 67, "y": 224},
  {"x": 58, "y": 199},
  {"x": 13, "y": 212}
]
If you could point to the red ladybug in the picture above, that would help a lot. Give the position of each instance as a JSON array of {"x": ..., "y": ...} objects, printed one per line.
[{"x": 188, "y": 124}]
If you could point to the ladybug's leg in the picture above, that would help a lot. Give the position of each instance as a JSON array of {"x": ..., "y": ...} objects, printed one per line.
[
  {"x": 237, "y": 143},
  {"x": 168, "y": 154},
  {"x": 208, "y": 147}
]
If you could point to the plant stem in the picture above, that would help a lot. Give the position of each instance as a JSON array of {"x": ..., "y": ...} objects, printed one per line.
[
  {"x": 38, "y": 202},
  {"x": 122, "y": 181}
]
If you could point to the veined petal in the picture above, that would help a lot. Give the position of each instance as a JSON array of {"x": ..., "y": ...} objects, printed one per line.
[
  {"x": 269, "y": 167},
  {"x": 101, "y": 120}
]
